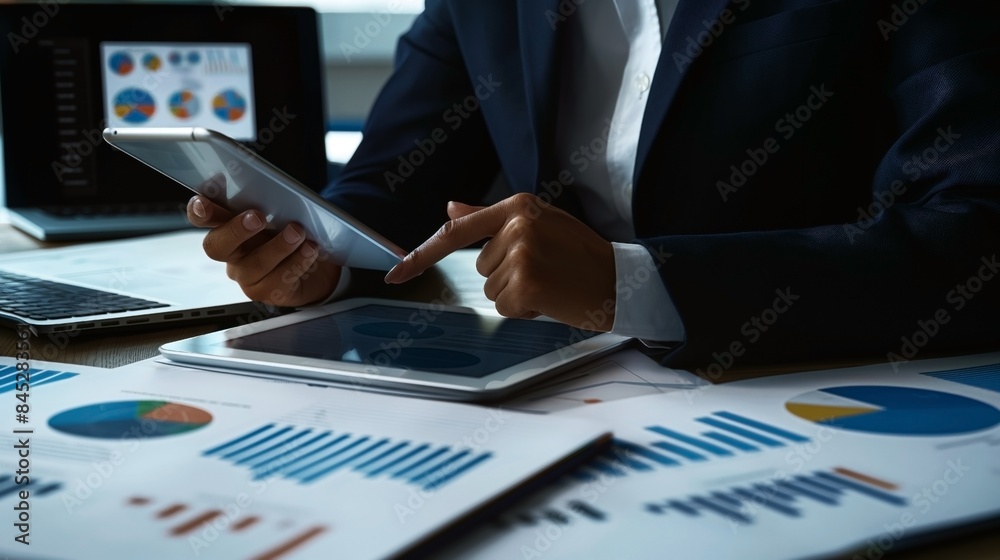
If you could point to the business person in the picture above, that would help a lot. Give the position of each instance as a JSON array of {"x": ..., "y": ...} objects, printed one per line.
[{"x": 752, "y": 181}]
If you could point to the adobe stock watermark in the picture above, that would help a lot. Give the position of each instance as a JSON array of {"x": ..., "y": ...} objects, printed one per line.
[
  {"x": 229, "y": 513},
  {"x": 74, "y": 153},
  {"x": 591, "y": 492},
  {"x": 453, "y": 117},
  {"x": 134, "y": 437},
  {"x": 365, "y": 34},
  {"x": 31, "y": 25},
  {"x": 473, "y": 443},
  {"x": 924, "y": 501},
  {"x": 565, "y": 9},
  {"x": 752, "y": 330},
  {"x": 696, "y": 46},
  {"x": 900, "y": 15},
  {"x": 581, "y": 158},
  {"x": 762, "y": 495},
  {"x": 959, "y": 297},
  {"x": 625, "y": 290},
  {"x": 222, "y": 7},
  {"x": 914, "y": 168},
  {"x": 786, "y": 126},
  {"x": 419, "y": 321}
]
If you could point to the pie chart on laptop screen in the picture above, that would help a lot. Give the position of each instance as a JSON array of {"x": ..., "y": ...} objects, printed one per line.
[
  {"x": 892, "y": 410},
  {"x": 134, "y": 105},
  {"x": 138, "y": 419}
]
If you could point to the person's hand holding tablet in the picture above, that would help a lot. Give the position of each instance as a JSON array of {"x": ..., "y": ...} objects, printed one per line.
[{"x": 278, "y": 268}]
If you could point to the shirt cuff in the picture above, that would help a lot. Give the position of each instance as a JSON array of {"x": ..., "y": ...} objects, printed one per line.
[
  {"x": 643, "y": 308},
  {"x": 342, "y": 284}
]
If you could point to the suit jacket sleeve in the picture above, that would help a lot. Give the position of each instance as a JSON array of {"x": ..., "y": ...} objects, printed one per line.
[
  {"x": 425, "y": 141},
  {"x": 921, "y": 277}
]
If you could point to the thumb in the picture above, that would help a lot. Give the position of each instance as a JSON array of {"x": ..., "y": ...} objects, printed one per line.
[{"x": 457, "y": 209}]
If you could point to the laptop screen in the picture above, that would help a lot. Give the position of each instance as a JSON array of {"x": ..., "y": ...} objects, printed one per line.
[
  {"x": 70, "y": 70},
  {"x": 209, "y": 85}
]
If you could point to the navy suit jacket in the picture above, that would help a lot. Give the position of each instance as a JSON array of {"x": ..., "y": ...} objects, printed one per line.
[{"x": 820, "y": 178}]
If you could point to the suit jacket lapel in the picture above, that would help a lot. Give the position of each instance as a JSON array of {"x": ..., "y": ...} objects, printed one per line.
[
  {"x": 673, "y": 66},
  {"x": 539, "y": 22}
]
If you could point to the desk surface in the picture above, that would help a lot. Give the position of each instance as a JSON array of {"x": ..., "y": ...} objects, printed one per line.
[{"x": 117, "y": 348}]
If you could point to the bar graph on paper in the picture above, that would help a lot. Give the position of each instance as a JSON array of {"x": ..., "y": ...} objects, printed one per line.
[
  {"x": 307, "y": 455},
  {"x": 275, "y": 537},
  {"x": 793, "y": 497},
  {"x": 983, "y": 377},
  {"x": 37, "y": 487},
  {"x": 36, "y": 377},
  {"x": 786, "y": 497},
  {"x": 729, "y": 435}
]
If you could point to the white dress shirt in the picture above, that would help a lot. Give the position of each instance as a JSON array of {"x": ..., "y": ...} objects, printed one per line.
[{"x": 613, "y": 48}]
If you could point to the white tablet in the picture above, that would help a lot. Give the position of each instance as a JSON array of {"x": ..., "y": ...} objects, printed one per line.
[
  {"x": 434, "y": 350},
  {"x": 234, "y": 177}
]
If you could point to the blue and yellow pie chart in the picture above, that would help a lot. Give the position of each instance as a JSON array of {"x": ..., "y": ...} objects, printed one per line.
[
  {"x": 893, "y": 410},
  {"x": 134, "y": 105}
]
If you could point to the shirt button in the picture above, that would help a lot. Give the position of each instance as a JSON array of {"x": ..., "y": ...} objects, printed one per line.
[
  {"x": 642, "y": 82},
  {"x": 628, "y": 191}
]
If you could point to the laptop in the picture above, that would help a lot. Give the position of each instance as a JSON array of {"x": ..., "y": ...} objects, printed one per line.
[
  {"x": 251, "y": 72},
  {"x": 140, "y": 281}
]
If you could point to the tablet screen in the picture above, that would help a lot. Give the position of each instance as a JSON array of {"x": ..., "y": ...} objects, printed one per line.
[{"x": 463, "y": 344}]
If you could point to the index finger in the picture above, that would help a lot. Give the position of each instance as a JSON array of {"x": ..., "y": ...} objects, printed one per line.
[{"x": 452, "y": 236}]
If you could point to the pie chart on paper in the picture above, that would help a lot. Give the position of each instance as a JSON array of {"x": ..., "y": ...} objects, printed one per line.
[
  {"x": 137, "y": 419},
  {"x": 892, "y": 410}
]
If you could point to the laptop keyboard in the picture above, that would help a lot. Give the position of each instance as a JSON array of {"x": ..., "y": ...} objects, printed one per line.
[
  {"x": 35, "y": 298},
  {"x": 105, "y": 210}
]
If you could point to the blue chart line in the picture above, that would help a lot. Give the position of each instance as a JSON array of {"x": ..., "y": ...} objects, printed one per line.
[
  {"x": 786, "y": 497},
  {"x": 8, "y": 377},
  {"x": 984, "y": 377},
  {"x": 306, "y": 455},
  {"x": 553, "y": 514},
  {"x": 10, "y": 487},
  {"x": 733, "y": 435}
]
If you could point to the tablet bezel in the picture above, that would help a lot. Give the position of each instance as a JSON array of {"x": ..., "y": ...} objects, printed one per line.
[
  {"x": 201, "y": 159},
  {"x": 210, "y": 350}
]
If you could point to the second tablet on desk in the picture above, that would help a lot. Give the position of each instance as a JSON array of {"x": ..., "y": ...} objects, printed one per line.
[{"x": 433, "y": 350}]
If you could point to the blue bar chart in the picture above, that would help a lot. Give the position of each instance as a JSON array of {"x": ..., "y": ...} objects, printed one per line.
[
  {"x": 9, "y": 381},
  {"x": 553, "y": 514},
  {"x": 787, "y": 497},
  {"x": 9, "y": 488},
  {"x": 792, "y": 497},
  {"x": 732, "y": 435},
  {"x": 983, "y": 377},
  {"x": 306, "y": 455}
]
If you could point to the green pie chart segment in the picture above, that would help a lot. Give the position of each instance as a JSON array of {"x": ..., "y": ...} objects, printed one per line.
[
  {"x": 891, "y": 410},
  {"x": 130, "y": 419}
]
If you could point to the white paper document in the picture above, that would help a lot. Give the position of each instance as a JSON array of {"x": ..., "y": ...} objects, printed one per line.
[
  {"x": 796, "y": 466},
  {"x": 152, "y": 461},
  {"x": 622, "y": 375}
]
